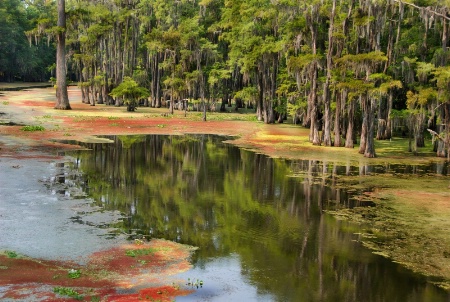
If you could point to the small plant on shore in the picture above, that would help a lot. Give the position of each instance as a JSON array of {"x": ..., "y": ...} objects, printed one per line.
[
  {"x": 33, "y": 128},
  {"x": 5, "y": 103},
  {"x": 142, "y": 262},
  {"x": 67, "y": 291},
  {"x": 74, "y": 273},
  {"x": 139, "y": 252},
  {"x": 113, "y": 117},
  {"x": 11, "y": 254}
]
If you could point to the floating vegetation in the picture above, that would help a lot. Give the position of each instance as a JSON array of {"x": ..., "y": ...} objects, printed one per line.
[{"x": 195, "y": 283}]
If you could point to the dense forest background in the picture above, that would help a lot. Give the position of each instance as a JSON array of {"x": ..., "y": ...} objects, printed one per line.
[{"x": 352, "y": 71}]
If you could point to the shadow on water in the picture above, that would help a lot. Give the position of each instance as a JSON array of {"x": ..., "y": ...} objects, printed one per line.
[{"x": 258, "y": 222}]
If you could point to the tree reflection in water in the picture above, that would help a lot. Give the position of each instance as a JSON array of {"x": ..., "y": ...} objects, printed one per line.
[{"x": 268, "y": 213}]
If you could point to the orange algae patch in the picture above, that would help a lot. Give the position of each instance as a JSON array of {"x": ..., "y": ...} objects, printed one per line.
[
  {"x": 141, "y": 270},
  {"x": 162, "y": 294},
  {"x": 144, "y": 262}
]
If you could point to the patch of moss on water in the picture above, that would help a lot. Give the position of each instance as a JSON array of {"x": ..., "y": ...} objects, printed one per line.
[{"x": 409, "y": 224}]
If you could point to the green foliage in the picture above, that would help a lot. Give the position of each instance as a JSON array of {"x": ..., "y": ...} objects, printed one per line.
[
  {"x": 275, "y": 50},
  {"x": 398, "y": 114},
  {"x": 20, "y": 59},
  {"x": 130, "y": 91},
  {"x": 247, "y": 93},
  {"x": 139, "y": 252},
  {"x": 67, "y": 291},
  {"x": 33, "y": 128},
  {"x": 11, "y": 254},
  {"x": 74, "y": 274}
]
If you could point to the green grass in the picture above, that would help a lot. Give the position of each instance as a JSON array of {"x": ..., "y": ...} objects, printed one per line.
[
  {"x": 67, "y": 291},
  {"x": 74, "y": 274},
  {"x": 11, "y": 254},
  {"x": 139, "y": 252},
  {"x": 33, "y": 128}
]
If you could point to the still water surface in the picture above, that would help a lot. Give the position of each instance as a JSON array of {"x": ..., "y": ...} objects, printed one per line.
[{"x": 258, "y": 222}]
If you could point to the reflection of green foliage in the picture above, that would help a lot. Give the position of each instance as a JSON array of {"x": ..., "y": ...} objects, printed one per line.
[
  {"x": 166, "y": 194},
  {"x": 199, "y": 191},
  {"x": 129, "y": 140}
]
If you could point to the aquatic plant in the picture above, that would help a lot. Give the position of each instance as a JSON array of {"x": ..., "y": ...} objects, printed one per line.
[
  {"x": 139, "y": 252},
  {"x": 33, "y": 128},
  {"x": 67, "y": 291},
  {"x": 74, "y": 273},
  {"x": 197, "y": 283},
  {"x": 11, "y": 254}
]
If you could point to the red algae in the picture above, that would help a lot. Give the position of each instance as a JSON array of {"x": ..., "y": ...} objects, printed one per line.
[
  {"x": 140, "y": 270},
  {"x": 162, "y": 294}
]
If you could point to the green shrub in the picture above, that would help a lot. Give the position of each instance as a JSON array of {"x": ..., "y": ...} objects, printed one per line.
[{"x": 33, "y": 128}]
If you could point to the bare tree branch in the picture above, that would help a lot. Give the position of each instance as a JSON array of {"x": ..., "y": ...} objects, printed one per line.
[{"x": 426, "y": 8}]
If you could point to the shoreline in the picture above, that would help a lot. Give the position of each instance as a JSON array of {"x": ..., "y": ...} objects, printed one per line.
[{"x": 394, "y": 202}]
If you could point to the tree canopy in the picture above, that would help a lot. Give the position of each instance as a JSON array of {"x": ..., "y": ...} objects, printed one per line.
[{"x": 340, "y": 68}]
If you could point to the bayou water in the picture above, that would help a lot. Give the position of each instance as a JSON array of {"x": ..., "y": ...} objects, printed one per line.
[{"x": 260, "y": 223}]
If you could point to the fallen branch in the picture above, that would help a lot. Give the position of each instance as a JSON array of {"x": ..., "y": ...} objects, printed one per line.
[{"x": 435, "y": 134}]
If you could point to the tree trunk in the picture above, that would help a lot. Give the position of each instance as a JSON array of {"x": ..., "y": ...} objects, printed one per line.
[
  {"x": 365, "y": 125},
  {"x": 382, "y": 119},
  {"x": 388, "y": 132},
  {"x": 349, "y": 143},
  {"x": 326, "y": 89},
  {"x": 337, "y": 121},
  {"x": 62, "y": 97},
  {"x": 419, "y": 129},
  {"x": 370, "y": 142},
  {"x": 259, "y": 106},
  {"x": 315, "y": 125}
]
